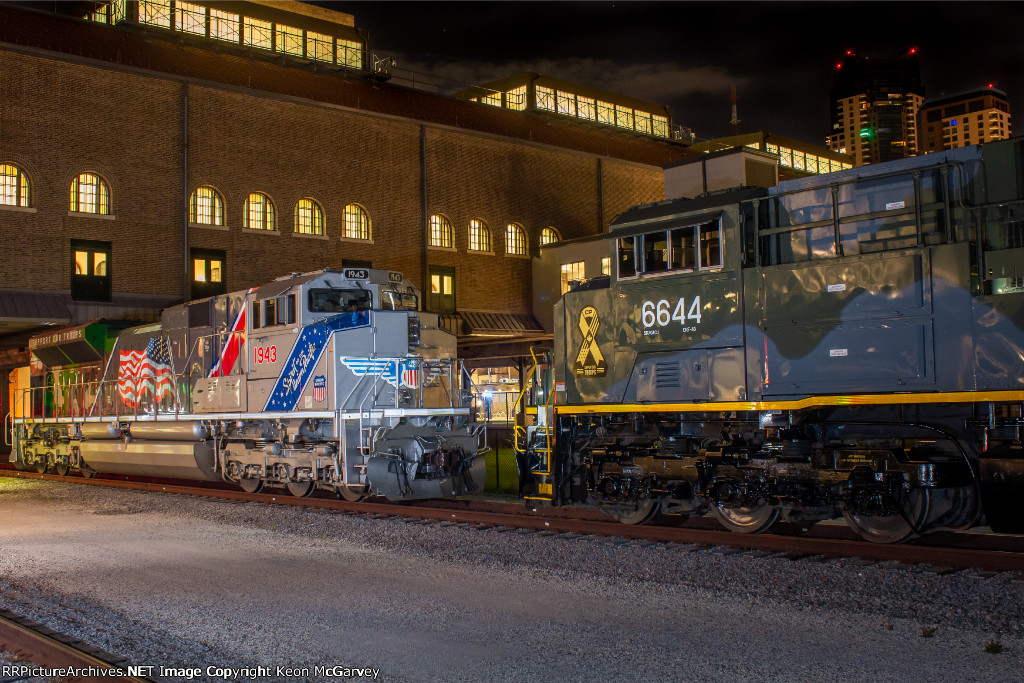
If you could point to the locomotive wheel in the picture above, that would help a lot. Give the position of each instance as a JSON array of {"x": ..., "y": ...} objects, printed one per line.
[
  {"x": 746, "y": 520},
  {"x": 644, "y": 512},
  {"x": 893, "y": 528},
  {"x": 62, "y": 469},
  {"x": 301, "y": 489},
  {"x": 251, "y": 485},
  {"x": 352, "y": 494},
  {"x": 42, "y": 464}
]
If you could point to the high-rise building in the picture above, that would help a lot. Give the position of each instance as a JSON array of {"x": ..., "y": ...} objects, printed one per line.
[
  {"x": 874, "y": 108},
  {"x": 961, "y": 119}
]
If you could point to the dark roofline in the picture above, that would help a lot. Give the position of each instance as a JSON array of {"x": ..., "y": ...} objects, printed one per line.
[
  {"x": 964, "y": 95},
  {"x": 184, "y": 56}
]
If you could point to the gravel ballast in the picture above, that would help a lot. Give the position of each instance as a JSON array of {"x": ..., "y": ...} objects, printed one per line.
[{"x": 176, "y": 581}]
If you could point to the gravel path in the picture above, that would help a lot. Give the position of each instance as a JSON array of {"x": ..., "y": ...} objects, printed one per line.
[{"x": 175, "y": 581}]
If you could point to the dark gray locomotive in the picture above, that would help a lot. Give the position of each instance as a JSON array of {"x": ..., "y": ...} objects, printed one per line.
[
  {"x": 848, "y": 344},
  {"x": 331, "y": 379}
]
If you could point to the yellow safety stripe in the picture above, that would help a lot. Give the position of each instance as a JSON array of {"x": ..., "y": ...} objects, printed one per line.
[{"x": 798, "y": 404}]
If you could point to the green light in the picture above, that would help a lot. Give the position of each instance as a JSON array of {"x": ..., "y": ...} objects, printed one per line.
[{"x": 865, "y": 132}]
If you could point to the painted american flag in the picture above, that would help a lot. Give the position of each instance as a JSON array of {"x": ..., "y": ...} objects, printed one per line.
[{"x": 142, "y": 373}]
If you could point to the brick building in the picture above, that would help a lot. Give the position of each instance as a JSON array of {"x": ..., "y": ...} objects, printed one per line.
[{"x": 157, "y": 151}]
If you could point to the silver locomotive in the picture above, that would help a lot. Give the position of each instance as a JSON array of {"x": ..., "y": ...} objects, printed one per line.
[{"x": 332, "y": 379}]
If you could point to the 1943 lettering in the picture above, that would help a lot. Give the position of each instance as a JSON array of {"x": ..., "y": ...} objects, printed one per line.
[{"x": 265, "y": 354}]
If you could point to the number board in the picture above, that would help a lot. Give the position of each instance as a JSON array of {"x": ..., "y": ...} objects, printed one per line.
[
  {"x": 687, "y": 313},
  {"x": 357, "y": 274},
  {"x": 395, "y": 277}
]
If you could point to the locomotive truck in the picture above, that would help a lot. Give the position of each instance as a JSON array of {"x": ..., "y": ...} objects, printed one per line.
[
  {"x": 843, "y": 345},
  {"x": 331, "y": 379}
]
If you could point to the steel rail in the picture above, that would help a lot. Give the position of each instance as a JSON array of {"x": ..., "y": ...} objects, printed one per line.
[
  {"x": 939, "y": 556},
  {"x": 44, "y": 648}
]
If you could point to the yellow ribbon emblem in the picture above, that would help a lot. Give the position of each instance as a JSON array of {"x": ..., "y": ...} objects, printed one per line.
[{"x": 588, "y": 324}]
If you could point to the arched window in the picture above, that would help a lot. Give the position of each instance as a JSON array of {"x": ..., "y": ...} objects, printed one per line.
[
  {"x": 479, "y": 236},
  {"x": 357, "y": 223},
  {"x": 206, "y": 206},
  {"x": 549, "y": 236},
  {"x": 90, "y": 194},
  {"x": 440, "y": 232},
  {"x": 258, "y": 213},
  {"x": 309, "y": 217},
  {"x": 515, "y": 240},
  {"x": 13, "y": 186}
]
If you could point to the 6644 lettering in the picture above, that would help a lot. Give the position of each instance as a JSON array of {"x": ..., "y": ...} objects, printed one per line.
[{"x": 662, "y": 313}]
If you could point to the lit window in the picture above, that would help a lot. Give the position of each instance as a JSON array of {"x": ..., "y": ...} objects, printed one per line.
[
  {"x": 357, "y": 222},
  {"x": 515, "y": 240},
  {"x": 206, "y": 207},
  {"x": 786, "y": 156},
  {"x": 258, "y": 213},
  {"x": 545, "y": 98},
  {"x": 605, "y": 113},
  {"x": 548, "y": 236},
  {"x": 516, "y": 98},
  {"x": 289, "y": 40},
  {"x": 258, "y": 33},
  {"x": 479, "y": 236},
  {"x": 659, "y": 126},
  {"x": 13, "y": 186},
  {"x": 89, "y": 194},
  {"x": 585, "y": 108},
  {"x": 155, "y": 12},
  {"x": 623, "y": 117},
  {"x": 350, "y": 54},
  {"x": 571, "y": 272},
  {"x": 566, "y": 103},
  {"x": 309, "y": 217},
  {"x": 223, "y": 25},
  {"x": 440, "y": 232},
  {"x": 90, "y": 270},
  {"x": 606, "y": 265},
  {"x": 643, "y": 122},
  {"x": 190, "y": 18},
  {"x": 492, "y": 98},
  {"x": 320, "y": 47}
]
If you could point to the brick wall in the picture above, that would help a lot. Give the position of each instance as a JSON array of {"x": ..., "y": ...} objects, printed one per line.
[{"x": 60, "y": 118}]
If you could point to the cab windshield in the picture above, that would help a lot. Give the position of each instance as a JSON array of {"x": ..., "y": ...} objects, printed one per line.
[{"x": 339, "y": 300}]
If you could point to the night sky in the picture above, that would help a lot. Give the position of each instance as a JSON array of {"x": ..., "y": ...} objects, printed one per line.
[{"x": 780, "y": 56}]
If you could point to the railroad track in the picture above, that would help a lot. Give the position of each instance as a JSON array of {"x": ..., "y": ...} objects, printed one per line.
[
  {"x": 942, "y": 552},
  {"x": 44, "y": 653}
]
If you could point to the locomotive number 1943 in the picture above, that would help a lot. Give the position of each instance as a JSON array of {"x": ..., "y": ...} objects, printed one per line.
[
  {"x": 265, "y": 354},
  {"x": 662, "y": 313}
]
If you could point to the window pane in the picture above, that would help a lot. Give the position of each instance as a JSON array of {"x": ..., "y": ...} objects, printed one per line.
[
  {"x": 206, "y": 207},
  {"x": 585, "y": 108},
  {"x": 259, "y": 212},
  {"x": 606, "y": 265},
  {"x": 623, "y": 117},
  {"x": 309, "y": 219},
  {"x": 191, "y": 18},
  {"x": 571, "y": 272},
  {"x": 566, "y": 103},
  {"x": 440, "y": 232},
  {"x": 81, "y": 263},
  {"x": 223, "y": 25},
  {"x": 627, "y": 262},
  {"x": 548, "y": 236},
  {"x": 605, "y": 113},
  {"x": 319, "y": 47},
  {"x": 357, "y": 223},
  {"x": 89, "y": 194},
  {"x": 199, "y": 270},
  {"x": 545, "y": 98},
  {"x": 515, "y": 240},
  {"x": 155, "y": 12},
  {"x": 655, "y": 252},
  {"x": 350, "y": 54},
  {"x": 99, "y": 263},
  {"x": 215, "y": 271},
  {"x": 710, "y": 245},
  {"x": 479, "y": 236},
  {"x": 258, "y": 34},
  {"x": 289, "y": 40},
  {"x": 684, "y": 256},
  {"x": 516, "y": 98},
  {"x": 13, "y": 186},
  {"x": 435, "y": 284}
]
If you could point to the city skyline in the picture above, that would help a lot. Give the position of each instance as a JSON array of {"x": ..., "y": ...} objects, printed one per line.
[{"x": 781, "y": 56}]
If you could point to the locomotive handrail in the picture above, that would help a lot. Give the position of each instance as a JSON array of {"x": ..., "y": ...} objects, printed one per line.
[{"x": 515, "y": 407}]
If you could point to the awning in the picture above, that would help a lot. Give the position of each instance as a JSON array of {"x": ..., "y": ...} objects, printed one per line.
[
  {"x": 482, "y": 324},
  {"x": 25, "y": 310}
]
